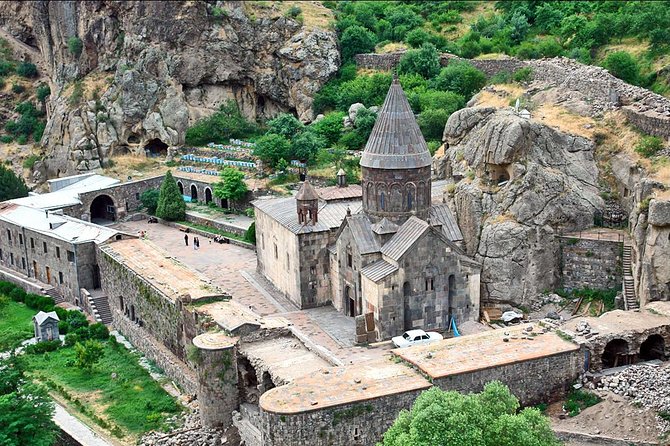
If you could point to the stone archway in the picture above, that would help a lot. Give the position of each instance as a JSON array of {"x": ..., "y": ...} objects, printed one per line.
[
  {"x": 180, "y": 185},
  {"x": 653, "y": 348},
  {"x": 615, "y": 354},
  {"x": 194, "y": 192},
  {"x": 208, "y": 195},
  {"x": 156, "y": 147},
  {"x": 103, "y": 210}
]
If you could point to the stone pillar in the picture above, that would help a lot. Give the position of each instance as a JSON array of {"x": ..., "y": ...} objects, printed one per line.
[{"x": 216, "y": 361}]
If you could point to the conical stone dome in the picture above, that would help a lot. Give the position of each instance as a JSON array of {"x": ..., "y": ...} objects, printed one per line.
[{"x": 396, "y": 141}]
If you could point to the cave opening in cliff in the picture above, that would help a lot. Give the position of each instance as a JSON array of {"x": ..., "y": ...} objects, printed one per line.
[
  {"x": 156, "y": 147},
  {"x": 103, "y": 210}
]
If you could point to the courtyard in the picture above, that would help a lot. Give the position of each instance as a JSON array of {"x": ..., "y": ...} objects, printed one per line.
[{"x": 233, "y": 269}]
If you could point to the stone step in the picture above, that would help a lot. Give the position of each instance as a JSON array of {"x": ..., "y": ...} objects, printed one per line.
[{"x": 100, "y": 306}]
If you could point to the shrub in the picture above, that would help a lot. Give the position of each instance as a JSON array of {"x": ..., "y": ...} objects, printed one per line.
[
  {"x": 250, "y": 234},
  {"x": 6, "y": 287},
  {"x": 329, "y": 128},
  {"x": 293, "y": 11},
  {"x": 432, "y": 123},
  {"x": 43, "y": 91},
  {"x": 11, "y": 186},
  {"x": 649, "y": 146},
  {"x": 624, "y": 66},
  {"x": 18, "y": 295},
  {"x": 149, "y": 199},
  {"x": 579, "y": 400},
  {"x": 18, "y": 88},
  {"x": 355, "y": 40},
  {"x": 71, "y": 339},
  {"x": 502, "y": 77},
  {"x": 424, "y": 61},
  {"x": 6, "y": 67},
  {"x": 6, "y": 139},
  {"x": 26, "y": 69},
  {"x": 523, "y": 75},
  {"x": 218, "y": 13},
  {"x": 98, "y": 331},
  {"x": 22, "y": 139},
  {"x": 43, "y": 347},
  {"x": 286, "y": 125},
  {"x": 461, "y": 78},
  {"x": 226, "y": 123},
  {"x": 29, "y": 162},
  {"x": 75, "y": 45}
]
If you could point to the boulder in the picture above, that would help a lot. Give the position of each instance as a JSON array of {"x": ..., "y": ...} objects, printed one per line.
[{"x": 659, "y": 213}]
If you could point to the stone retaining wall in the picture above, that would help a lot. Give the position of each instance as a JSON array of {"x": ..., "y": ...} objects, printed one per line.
[
  {"x": 209, "y": 234},
  {"x": 595, "y": 264},
  {"x": 360, "y": 423},
  {"x": 215, "y": 224},
  {"x": 532, "y": 381}
]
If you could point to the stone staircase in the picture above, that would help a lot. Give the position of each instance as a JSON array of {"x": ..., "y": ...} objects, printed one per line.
[
  {"x": 629, "y": 297},
  {"x": 55, "y": 295},
  {"x": 100, "y": 310}
]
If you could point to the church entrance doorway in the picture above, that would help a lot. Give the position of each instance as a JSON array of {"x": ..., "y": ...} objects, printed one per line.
[
  {"x": 103, "y": 210},
  {"x": 349, "y": 302}
]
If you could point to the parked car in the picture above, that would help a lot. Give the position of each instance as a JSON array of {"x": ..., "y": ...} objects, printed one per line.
[{"x": 416, "y": 337}]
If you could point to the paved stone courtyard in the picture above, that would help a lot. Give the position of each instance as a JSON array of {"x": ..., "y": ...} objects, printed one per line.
[{"x": 233, "y": 268}]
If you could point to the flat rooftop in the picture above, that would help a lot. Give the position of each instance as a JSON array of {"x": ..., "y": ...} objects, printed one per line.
[
  {"x": 336, "y": 386},
  {"x": 620, "y": 322},
  {"x": 286, "y": 358},
  {"x": 163, "y": 271},
  {"x": 230, "y": 315},
  {"x": 484, "y": 350}
]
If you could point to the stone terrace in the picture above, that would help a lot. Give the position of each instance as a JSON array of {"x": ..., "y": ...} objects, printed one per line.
[
  {"x": 161, "y": 270},
  {"x": 483, "y": 350}
]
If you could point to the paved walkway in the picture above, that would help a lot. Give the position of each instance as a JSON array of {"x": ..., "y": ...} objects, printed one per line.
[
  {"x": 233, "y": 268},
  {"x": 78, "y": 430}
]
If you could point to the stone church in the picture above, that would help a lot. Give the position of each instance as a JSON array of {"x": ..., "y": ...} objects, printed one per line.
[{"x": 389, "y": 248}]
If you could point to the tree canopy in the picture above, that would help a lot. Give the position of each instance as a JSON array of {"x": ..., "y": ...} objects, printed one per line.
[
  {"x": 286, "y": 125},
  {"x": 171, "y": 204},
  {"x": 11, "y": 186},
  {"x": 26, "y": 410},
  {"x": 488, "y": 418},
  {"x": 272, "y": 147},
  {"x": 232, "y": 185},
  {"x": 226, "y": 123},
  {"x": 424, "y": 61}
]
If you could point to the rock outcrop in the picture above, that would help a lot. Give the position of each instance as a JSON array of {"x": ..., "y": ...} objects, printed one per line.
[
  {"x": 517, "y": 183},
  {"x": 147, "y": 70}
]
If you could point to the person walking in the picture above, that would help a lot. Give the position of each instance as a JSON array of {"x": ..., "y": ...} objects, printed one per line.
[
  {"x": 195, "y": 243},
  {"x": 186, "y": 239}
]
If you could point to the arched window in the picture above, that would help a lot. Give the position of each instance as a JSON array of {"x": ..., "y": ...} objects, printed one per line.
[{"x": 382, "y": 202}]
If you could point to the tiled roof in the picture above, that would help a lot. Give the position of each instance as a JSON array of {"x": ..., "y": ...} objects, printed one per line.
[
  {"x": 396, "y": 141},
  {"x": 384, "y": 226},
  {"x": 283, "y": 210},
  {"x": 408, "y": 233},
  {"x": 307, "y": 192},
  {"x": 442, "y": 214},
  {"x": 340, "y": 193},
  {"x": 362, "y": 233},
  {"x": 42, "y": 316},
  {"x": 378, "y": 270}
]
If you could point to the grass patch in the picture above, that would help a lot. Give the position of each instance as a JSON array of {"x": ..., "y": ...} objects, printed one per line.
[
  {"x": 579, "y": 400},
  {"x": 211, "y": 230},
  {"x": 133, "y": 400},
  {"x": 15, "y": 325}
]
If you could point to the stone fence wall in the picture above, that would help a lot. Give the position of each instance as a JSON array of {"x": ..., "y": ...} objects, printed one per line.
[
  {"x": 646, "y": 110},
  {"x": 595, "y": 264},
  {"x": 215, "y": 224}
]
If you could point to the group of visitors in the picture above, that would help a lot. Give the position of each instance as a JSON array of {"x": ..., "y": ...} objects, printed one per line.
[{"x": 196, "y": 242}]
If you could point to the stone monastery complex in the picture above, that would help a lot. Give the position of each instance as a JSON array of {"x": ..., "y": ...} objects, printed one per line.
[{"x": 292, "y": 352}]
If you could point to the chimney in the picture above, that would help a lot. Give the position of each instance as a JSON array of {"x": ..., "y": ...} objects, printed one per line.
[{"x": 341, "y": 178}]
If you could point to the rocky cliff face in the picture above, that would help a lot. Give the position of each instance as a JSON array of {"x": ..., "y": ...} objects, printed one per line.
[
  {"x": 147, "y": 70},
  {"x": 517, "y": 183}
]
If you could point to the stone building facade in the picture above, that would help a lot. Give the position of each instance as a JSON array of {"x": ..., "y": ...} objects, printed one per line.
[
  {"x": 587, "y": 263},
  {"x": 390, "y": 252},
  {"x": 52, "y": 248}
]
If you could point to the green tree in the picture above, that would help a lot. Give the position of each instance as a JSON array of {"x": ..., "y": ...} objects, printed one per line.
[
  {"x": 441, "y": 100},
  {"x": 26, "y": 69},
  {"x": 26, "y": 410},
  {"x": 355, "y": 40},
  {"x": 424, "y": 61},
  {"x": 432, "y": 122},
  {"x": 330, "y": 127},
  {"x": 43, "y": 91},
  {"x": 624, "y": 66},
  {"x": 75, "y": 45},
  {"x": 461, "y": 78},
  {"x": 226, "y": 123},
  {"x": 149, "y": 199},
  {"x": 250, "y": 234},
  {"x": 88, "y": 354},
  {"x": 11, "y": 186},
  {"x": 232, "y": 185},
  {"x": 286, "y": 125},
  {"x": 306, "y": 145},
  {"x": 488, "y": 418},
  {"x": 171, "y": 204},
  {"x": 270, "y": 148}
]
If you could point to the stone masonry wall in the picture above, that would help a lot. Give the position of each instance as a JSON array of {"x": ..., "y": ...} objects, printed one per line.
[
  {"x": 361, "y": 423},
  {"x": 595, "y": 264},
  {"x": 532, "y": 381},
  {"x": 156, "y": 325}
]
